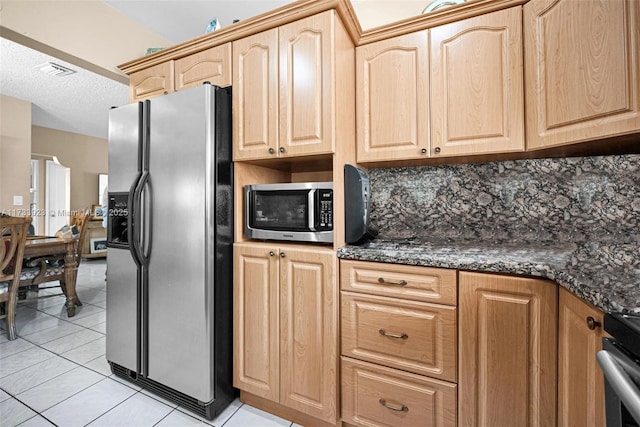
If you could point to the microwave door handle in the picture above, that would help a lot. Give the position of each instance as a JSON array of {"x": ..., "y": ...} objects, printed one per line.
[
  {"x": 624, "y": 387},
  {"x": 311, "y": 203}
]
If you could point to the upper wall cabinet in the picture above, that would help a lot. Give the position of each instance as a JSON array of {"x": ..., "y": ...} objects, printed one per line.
[
  {"x": 392, "y": 98},
  {"x": 212, "y": 65},
  {"x": 255, "y": 96},
  {"x": 477, "y": 104},
  {"x": 151, "y": 82},
  {"x": 456, "y": 89},
  {"x": 582, "y": 70},
  {"x": 287, "y": 107}
]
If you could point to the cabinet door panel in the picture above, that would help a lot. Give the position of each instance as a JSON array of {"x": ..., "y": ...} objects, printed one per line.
[
  {"x": 256, "y": 313},
  {"x": 212, "y": 65},
  {"x": 583, "y": 70},
  {"x": 477, "y": 103},
  {"x": 309, "y": 332},
  {"x": 580, "y": 380},
  {"x": 255, "y": 96},
  {"x": 507, "y": 351},
  {"x": 151, "y": 82},
  {"x": 307, "y": 98},
  {"x": 392, "y": 94}
]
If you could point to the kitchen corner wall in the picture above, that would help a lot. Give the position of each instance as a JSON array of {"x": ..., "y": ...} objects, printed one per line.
[{"x": 542, "y": 200}]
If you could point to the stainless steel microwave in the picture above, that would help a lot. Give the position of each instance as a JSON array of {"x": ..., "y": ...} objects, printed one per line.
[{"x": 301, "y": 211}]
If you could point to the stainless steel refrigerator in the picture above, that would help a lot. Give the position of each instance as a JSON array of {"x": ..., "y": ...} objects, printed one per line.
[{"x": 169, "y": 247}]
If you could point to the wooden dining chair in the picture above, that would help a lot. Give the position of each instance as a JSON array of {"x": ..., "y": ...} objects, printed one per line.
[
  {"x": 13, "y": 231},
  {"x": 41, "y": 273}
]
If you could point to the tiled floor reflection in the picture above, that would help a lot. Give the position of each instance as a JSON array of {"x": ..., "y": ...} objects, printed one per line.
[{"x": 56, "y": 373}]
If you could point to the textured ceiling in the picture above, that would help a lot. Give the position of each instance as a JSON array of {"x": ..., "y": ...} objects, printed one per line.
[{"x": 77, "y": 103}]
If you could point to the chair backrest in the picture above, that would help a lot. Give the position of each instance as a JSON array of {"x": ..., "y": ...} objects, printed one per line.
[
  {"x": 81, "y": 220},
  {"x": 13, "y": 231}
]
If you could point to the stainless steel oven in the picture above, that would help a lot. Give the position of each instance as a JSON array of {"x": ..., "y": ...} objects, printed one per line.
[{"x": 620, "y": 362}]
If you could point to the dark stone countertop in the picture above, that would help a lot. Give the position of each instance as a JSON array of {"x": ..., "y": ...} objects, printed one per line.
[{"x": 606, "y": 275}]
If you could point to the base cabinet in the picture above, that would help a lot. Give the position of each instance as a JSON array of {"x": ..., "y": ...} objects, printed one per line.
[
  {"x": 398, "y": 346},
  {"x": 580, "y": 380},
  {"x": 286, "y": 326},
  {"x": 507, "y": 351}
]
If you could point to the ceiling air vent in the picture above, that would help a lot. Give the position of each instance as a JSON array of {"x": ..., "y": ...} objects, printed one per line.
[{"x": 55, "y": 69}]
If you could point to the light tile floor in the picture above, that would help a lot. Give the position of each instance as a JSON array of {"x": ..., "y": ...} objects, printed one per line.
[{"x": 56, "y": 373}]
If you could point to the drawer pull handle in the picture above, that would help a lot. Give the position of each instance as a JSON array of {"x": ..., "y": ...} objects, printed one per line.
[
  {"x": 403, "y": 408},
  {"x": 384, "y": 281},
  {"x": 392, "y": 335}
]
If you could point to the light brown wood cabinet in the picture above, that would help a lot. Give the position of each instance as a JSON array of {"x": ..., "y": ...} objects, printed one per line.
[
  {"x": 477, "y": 103},
  {"x": 455, "y": 89},
  {"x": 392, "y": 98},
  {"x": 151, "y": 82},
  {"x": 285, "y": 88},
  {"x": 582, "y": 72},
  {"x": 507, "y": 350},
  {"x": 397, "y": 345},
  {"x": 580, "y": 380},
  {"x": 286, "y": 326},
  {"x": 212, "y": 65},
  {"x": 255, "y": 95}
]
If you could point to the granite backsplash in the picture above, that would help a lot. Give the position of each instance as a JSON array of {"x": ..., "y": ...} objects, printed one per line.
[
  {"x": 572, "y": 220},
  {"x": 577, "y": 200}
]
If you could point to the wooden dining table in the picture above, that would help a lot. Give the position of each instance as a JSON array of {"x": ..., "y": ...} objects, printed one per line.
[{"x": 43, "y": 246}]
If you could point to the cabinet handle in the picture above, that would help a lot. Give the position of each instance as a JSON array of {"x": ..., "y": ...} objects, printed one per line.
[
  {"x": 383, "y": 281},
  {"x": 282, "y": 255},
  {"x": 392, "y": 335},
  {"x": 271, "y": 253},
  {"x": 593, "y": 323},
  {"x": 403, "y": 408},
  {"x": 423, "y": 151},
  {"x": 281, "y": 149},
  {"x": 437, "y": 150},
  {"x": 271, "y": 151}
]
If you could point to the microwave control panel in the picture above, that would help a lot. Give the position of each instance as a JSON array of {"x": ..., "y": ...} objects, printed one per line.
[{"x": 325, "y": 201}]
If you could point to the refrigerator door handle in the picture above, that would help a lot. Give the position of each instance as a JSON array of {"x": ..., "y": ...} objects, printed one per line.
[
  {"x": 147, "y": 237},
  {"x": 136, "y": 218}
]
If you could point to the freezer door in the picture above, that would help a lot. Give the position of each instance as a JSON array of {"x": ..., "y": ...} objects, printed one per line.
[
  {"x": 122, "y": 274},
  {"x": 124, "y": 146},
  {"x": 122, "y": 309},
  {"x": 181, "y": 246}
]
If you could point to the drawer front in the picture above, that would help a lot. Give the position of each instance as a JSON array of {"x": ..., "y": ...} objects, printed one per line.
[
  {"x": 437, "y": 285},
  {"x": 412, "y": 336},
  {"x": 373, "y": 395}
]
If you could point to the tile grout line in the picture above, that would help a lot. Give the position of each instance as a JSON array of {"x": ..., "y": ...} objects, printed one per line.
[{"x": 37, "y": 413}]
